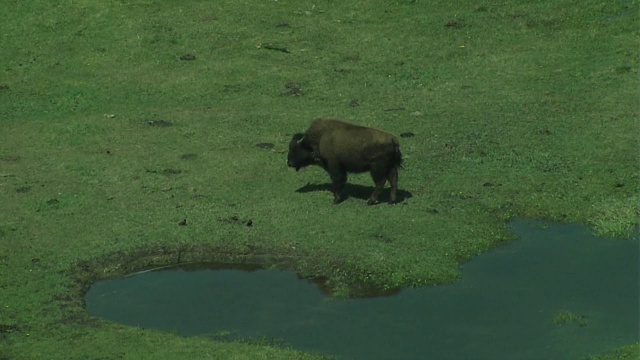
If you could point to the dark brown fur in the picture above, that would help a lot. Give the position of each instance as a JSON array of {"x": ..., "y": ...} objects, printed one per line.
[{"x": 341, "y": 148}]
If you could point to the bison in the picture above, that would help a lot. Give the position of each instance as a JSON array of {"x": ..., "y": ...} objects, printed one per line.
[{"x": 340, "y": 148}]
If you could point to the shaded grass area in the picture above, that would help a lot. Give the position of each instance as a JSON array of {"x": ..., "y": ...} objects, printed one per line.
[{"x": 129, "y": 134}]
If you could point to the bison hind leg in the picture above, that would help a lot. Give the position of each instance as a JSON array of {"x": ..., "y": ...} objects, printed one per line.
[
  {"x": 376, "y": 192},
  {"x": 379, "y": 178},
  {"x": 393, "y": 180}
]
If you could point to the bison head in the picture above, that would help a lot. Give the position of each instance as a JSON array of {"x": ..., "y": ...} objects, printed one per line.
[{"x": 300, "y": 153}]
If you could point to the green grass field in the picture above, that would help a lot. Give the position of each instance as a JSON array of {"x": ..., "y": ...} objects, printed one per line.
[{"x": 119, "y": 120}]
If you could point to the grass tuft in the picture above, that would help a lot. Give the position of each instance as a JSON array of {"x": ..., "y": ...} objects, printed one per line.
[{"x": 616, "y": 217}]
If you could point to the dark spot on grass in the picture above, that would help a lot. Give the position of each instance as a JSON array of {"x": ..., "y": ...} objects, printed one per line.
[
  {"x": 265, "y": 146},
  {"x": 183, "y": 222},
  {"x": 23, "y": 190},
  {"x": 352, "y": 57},
  {"x": 231, "y": 219},
  {"x": 188, "y": 156},
  {"x": 544, "y": 23},
  {"x": 35, "y": 260},
  {"x": 433, "y": 211},
  {"x": 234, "y": 219},
  {"x": 545, "y": 131},
  {"x": 385, "y": 239},
  {"x": 454, "y": 24},
  {"x": 354, "y": 103},
  {"x": 53, "y": 201},
  {"x": 231, "y": 88},
  {"x": 293, "y": 89},
  {"x": 11, "y": 158},
  {"x": 482, "y": 9},
  {"x": 167, "y": 172},
  {"x": 463, "y": 196},
  {"x": 187, "y": 57},
  {"x": 619, "y": 70},
  {"x": 5, "y": 328},
  {"x": 340, "y": 70},
  {"x": 4, "y": 87},
  {"x": 487, "y": 184},
  {"x": 160, "y": 123},
  {"x": 407, "y": 135},
  {"x": 171, "y": 171},
  {"x": 283, "y": 25},
  {"x": 276, "y": 48},
  {"x": 619, "y": 185}
]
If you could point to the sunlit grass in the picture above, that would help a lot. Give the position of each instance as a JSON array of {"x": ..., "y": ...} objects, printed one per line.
[{"x": 616, "y": 217}]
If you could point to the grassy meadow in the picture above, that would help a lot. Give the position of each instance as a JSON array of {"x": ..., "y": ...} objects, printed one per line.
[{"x": 137, "y": 134}]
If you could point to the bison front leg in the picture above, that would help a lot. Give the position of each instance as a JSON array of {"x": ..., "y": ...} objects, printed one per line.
[{"x": 338, "y": 178}]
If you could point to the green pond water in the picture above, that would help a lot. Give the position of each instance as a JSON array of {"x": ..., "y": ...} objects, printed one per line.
[{"x": 557, "y": 292}]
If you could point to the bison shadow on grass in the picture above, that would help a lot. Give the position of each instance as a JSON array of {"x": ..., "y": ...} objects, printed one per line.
[{"x": 361, "y": 192}]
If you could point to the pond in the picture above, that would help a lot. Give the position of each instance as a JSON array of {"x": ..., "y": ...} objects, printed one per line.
[{"x": 558, "y": 292}]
